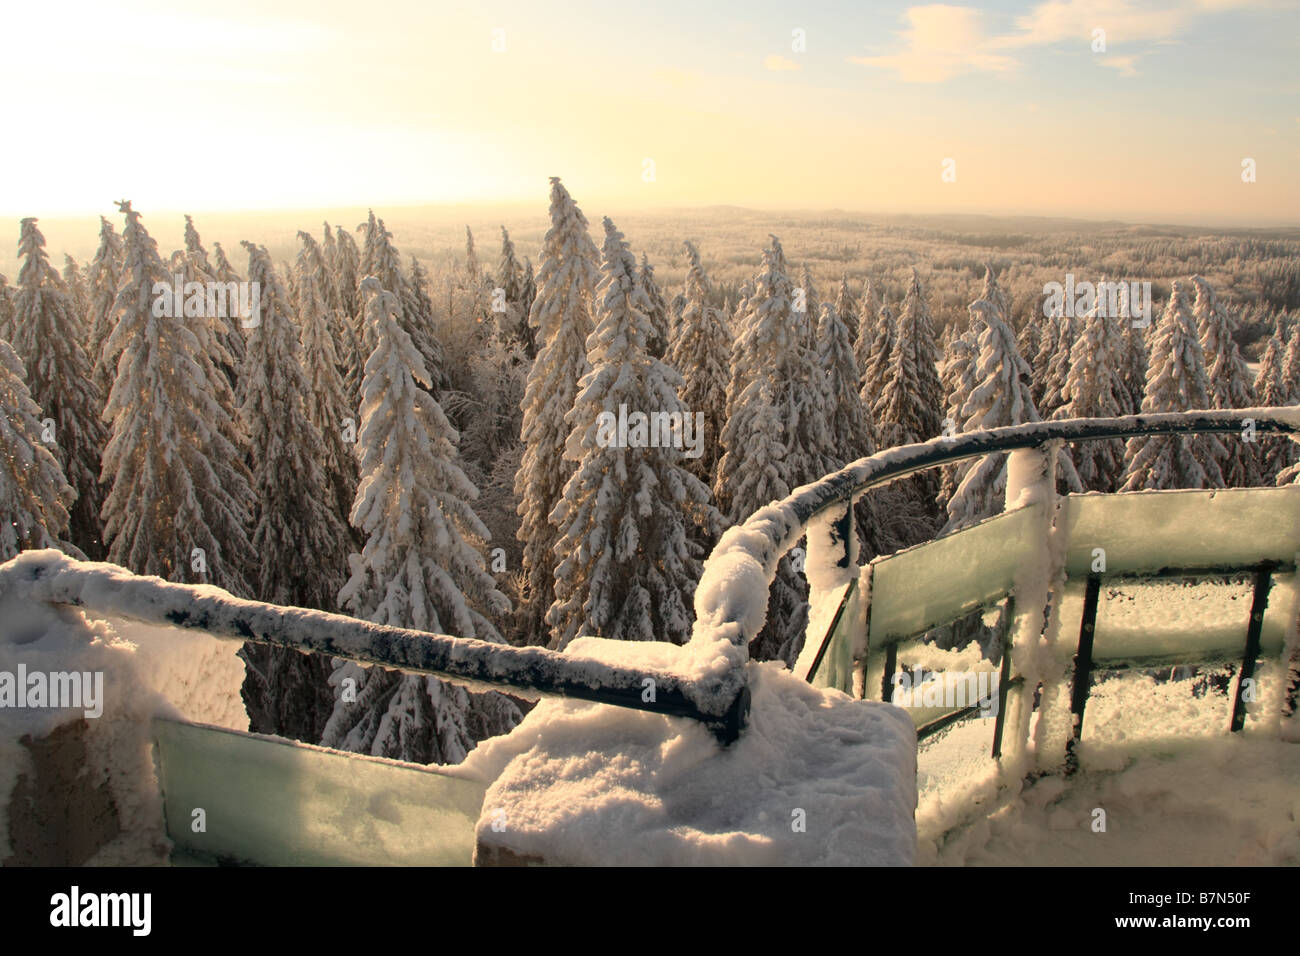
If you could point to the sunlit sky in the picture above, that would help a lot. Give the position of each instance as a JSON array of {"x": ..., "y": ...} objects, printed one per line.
[{"x": 267, "y": 104}]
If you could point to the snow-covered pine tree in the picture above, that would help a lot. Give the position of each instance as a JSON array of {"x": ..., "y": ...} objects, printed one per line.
[
  {"x": 868, "y": 335},
  {"x": 1268, "y": 381},
  {"x": 993, "y": 292},
  {"x": 1058, "y": 366},
  {"x": 1230, "y": 384},
  {"x": 34, "y": 495},
  {"x": 1176, "y": 382},
  {"x": 1135, "y": 362},
  {"x": 700, "y": 353},
  {"x": 808, "y": 316},
  {"x": 1280, "y": 455},
  {"x": 526, "y": 297},
  {"x": 658, "y": 343},
  {"x": 1049, "y": 343},
  {"x": 1001, "y": 398},
  {"x": 846, "y": 309},
  {"x": 75, "y": 281},
  {"x": 958, "y": 380},
  {"x": 909, "y": 407},
  {"x": 6, "y": 308},
  {"x": 562, "y": 317},
  {"x": 48, "y": 334},
  {"x": 105, "y": 277},
  {"x": 849, "y": 421},
  {"x": 421, "y": 566},
  {"x": 1030, "y": 337},
  {"x": 328, "y": 407},
  {"x": 180, "y": 496},
  {"x": 512, "y": 325},
  {"x": 232, "y": 336},
  {"x": 1094, "y": 390},
  {"x": 298, "y": 535},
  {"x": 765, "y": 442},
  {"x": 626, "y": 569}
]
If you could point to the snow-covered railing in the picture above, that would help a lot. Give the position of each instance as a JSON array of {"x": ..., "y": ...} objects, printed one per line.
[
  {"x": 711, "y": 691},
  {"x": 731, "y": 599}
]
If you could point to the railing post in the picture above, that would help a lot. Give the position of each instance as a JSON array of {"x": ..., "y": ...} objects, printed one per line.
[
  {"x": 830, "y": 564},
  {"x": 1031, "y": 480}
]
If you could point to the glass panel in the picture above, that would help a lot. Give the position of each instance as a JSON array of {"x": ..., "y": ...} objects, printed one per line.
[
  {"x": 1150, "y": 530},
  {"x": 936, "y": 583},
  {"x": 279, "y": 803}
]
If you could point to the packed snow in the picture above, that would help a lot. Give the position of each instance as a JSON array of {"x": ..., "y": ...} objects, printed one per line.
[{"x": 818, "y": 778}]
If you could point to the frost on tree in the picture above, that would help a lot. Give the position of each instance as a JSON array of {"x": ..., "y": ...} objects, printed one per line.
[
  {"x": 626, "y": 567},
  {"x": 1001, "y": 397},
  {"x": 1093, "y": 389},
  {"x": 104, "y": 278},
  {"x": 701, "y": 353},
  {"x": 48, "y": 334},
  {"x": 75, "y": 282},
  {"x": 1058, "y": 366},
  {"x": 765, "y": 455},
  {"x": 1276, "y": 454},
  {"x": 326, "y": 404},
  {"x": 511, "y": 315},
  {"x": 179, "y": 502},
  {"x": 866, "y": 339},
  {"x": 34, "y": 495},
  {"x": 846, "y": 309},
  {"x": 849, "y": 422},
  {"x": 300, "y": 535},
  {"x": 422, "y": 564},
  {"x": 910, "y": 406},
  {"x": 1176, "y": 382},
  {"x": 879, "y": 362},
  {"x": 1229, "y": 382},
  {"x": 1049, "y": 343},
  {"x": 958, "y": 381},
  {"x": 657, "y": 345},
  {"x": 562, "y": 317}
]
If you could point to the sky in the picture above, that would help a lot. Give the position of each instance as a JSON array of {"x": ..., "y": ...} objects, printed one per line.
[{"x": 288, "y": 104}]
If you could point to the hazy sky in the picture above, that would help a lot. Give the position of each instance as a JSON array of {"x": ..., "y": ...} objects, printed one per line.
[{"x": 281, "y": 104}]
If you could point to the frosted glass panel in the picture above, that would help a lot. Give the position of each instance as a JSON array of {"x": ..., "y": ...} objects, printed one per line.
[
  {"x": 1150, "y": 530},
  {"x": 938, "y": 582},
  {"x": 279, "y": 803}
]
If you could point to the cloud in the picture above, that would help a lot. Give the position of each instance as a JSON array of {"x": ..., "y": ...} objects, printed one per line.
[
  {"x": 942, "y": 42},
  {"x": 1127, "y": 65},
  {"x": 780, "y": 63}
]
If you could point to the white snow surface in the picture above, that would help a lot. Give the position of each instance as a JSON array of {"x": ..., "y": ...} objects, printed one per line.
[
  {"x": 590, "y": 784},
  {"x": 148, "y": 671}
]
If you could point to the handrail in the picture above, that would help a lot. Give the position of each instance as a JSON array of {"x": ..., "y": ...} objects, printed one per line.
[
  {"x": 758, "y": 545},
  {"x": 718, "y": 698}
]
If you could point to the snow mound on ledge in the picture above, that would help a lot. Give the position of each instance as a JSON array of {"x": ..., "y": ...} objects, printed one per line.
[{"x": 591, "y": 784}]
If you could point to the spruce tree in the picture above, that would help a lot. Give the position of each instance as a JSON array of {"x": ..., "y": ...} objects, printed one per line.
[
  {"x": 562, "y": 317},
  {"x": 626, "y": 569},
  {"x": 658, "y": 342},
  {"x": 1095, "y": 390},
  {"x": 1002, "y": 397},
  {"x": 105, "y": 277},
  {"x": 421, "y": 566},
  {"x": 1176, "y": 382},
  {"x": 180, "y": 496},
  {"x": 909, "y": 409},
  {"x": 49, "y": 335},
  {"x": 846, "y": 309},
  {"x": 700, "y": 353},
  {"x": 34, "y": 495},
  {"x": 1230, "y": 384}
]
